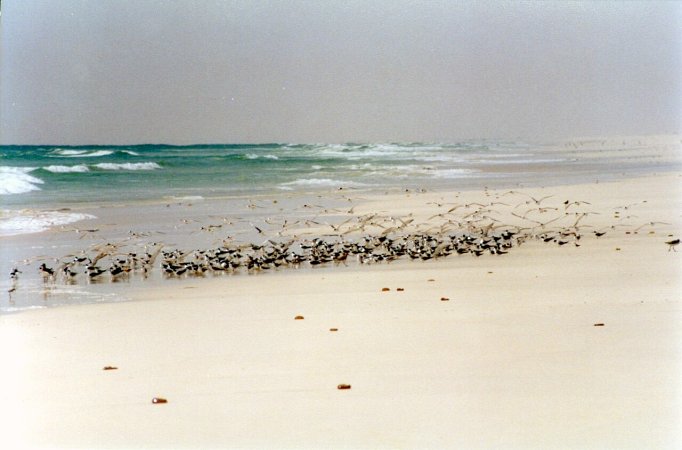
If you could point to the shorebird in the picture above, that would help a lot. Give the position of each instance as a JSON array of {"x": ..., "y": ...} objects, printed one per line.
[
  {"x": 68, "y": 273},
  {"x": 541, "y": 210},
  {"x": 541, "y": 224},
  {"x": 46, "y": 271},
  {"x": 537, "y": 201},
  {"x": 672, "y": 244},
  {"x": 512, "y": 193},
  {"x": 94, "y": 271},
  {"x": 81, "y": 260},
  {"x": 568, "y": 203},
  {"x": 629, "y": 206},
  {"x": 498, "y": 203},
  {"x": 211, "y": 228},
  {"x": 117, "y": 270},
  {"x": 650, "y": 224}
]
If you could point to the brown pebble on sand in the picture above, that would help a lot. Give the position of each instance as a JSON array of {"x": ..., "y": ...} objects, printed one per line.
[
  {"x": 400, "y": 289},
  {"x": 333, "y": 329},
  {"x": 110, "y": 368},
  {"x": 385, "y": 289},
  {"x": 343, "y": 386},
  {"x": 617, "y": 249},
  {"x": 157, "y": 400},
  {"x": 598, "y": 324},
  {"x": 298, "y": 318},
  {"x": 444, "y": 299},
  {"x": 430, "y": 279}
]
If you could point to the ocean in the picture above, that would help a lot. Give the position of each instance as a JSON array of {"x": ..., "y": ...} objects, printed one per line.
[
  {"x": 49, "y": 174},
  {"x": 128, "y": 190},
  {"x": 44, "y": 176}
]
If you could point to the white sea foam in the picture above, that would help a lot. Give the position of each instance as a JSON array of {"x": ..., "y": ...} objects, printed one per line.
[
  {"x": 67, "y": 169},
  {"x": 96, "y": 153},
  {"x": 319, "y": 182},
  {"x": 63, "y": 152},
  {"x": 365, "y": 166},
  {"x": 11, "y": 309},
  {"x": 130, "y": 152},
  {"x": 128, "y": 166},
  {"x": 501, "y": 155},
  {"x": 82, "y": 153},
  {"x": 451, "y": 173},
  {"x": 420, "y": 171},
  {"x": 354, "y": 153},
  {"x": 195, "y": 198},
  {"x": 256, "y": 156},
  {"x": 16, "y": 180},
  {"x": 521, "y": 161},
  {"x": 80, "y": 168},
  {"x": 13, "y": 222},
  {"x": 402, "y": 152}
]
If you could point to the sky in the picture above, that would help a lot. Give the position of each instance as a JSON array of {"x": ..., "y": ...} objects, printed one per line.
[{"x": 188, "y": 71}]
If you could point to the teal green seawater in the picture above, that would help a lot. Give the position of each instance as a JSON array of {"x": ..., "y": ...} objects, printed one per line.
[{"x": 49, "y": 176}]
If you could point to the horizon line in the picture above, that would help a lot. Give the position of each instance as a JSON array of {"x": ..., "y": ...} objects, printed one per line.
[{"x": 273, "y": 143}]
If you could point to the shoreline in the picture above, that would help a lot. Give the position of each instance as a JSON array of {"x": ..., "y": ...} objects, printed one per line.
[
  {"x": 426, "y": 186},
  {"x": 548, "y": 346},
  {"x": 184, "y": 226}
]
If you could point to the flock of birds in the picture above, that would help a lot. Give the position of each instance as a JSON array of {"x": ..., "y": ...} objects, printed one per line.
[
  {"x": 455, "y": 229},
  {"x": 273, "y": 254}
]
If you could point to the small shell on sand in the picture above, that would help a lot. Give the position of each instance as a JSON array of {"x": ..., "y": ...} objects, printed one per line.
[
  {"x": 156, "y": 400},
  {"x": 444, "y": 299},
  {"x": 298, "y": 318},
  {"x": 400, "y": 289},
  {"x": 385, "y": 289},
  {"x": 343, "y": 386},
  {"x": 333, "y": 329},
  {"x": 110, "y": 368},
  {"x": 598, "y": 324}
]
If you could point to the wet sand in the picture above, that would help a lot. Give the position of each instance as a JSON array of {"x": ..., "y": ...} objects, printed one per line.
[{"x": 549, "y": 346}]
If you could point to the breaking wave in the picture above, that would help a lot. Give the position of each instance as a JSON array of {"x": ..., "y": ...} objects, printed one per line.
[
  {"x": 128, "y": 166},
  {"x": 82, "y": 153},
  {"x": 16, "y": 180},
  {"x": 80, "y": 168},
  {"x": 13, "y": 222},
  {"x": 319, "y": 182}
]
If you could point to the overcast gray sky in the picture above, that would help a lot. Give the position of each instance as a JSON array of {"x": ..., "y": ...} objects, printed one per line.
[{"x": 151, "y": 71}]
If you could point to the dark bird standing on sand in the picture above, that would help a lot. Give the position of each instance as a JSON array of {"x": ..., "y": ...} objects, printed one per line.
[
  {"x": 68, "y": 273},
  {"x": 94, "y": 271},
  {"x": 672, "y": 244},
  {"x": 46, "y": 271}
]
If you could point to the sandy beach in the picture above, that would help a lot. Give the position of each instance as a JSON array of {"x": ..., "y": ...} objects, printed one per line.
[
  {"x": 549, "y": 346},
  {"x": 340, "y": 225}
]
